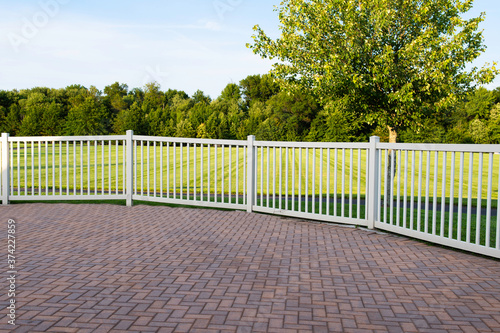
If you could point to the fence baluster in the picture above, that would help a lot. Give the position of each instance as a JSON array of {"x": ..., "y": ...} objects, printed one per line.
[
  {"x": 452, "y": 196},
  {"x": 328, "y": 185},
  {"x": 33, "y": 168},
  {"x": 479, "y": 198},
  {"x": 391, "y": 184},
  {"x": 321, "y": 182},
  {"x": 230, "y": 191},
  {"x": 460, "y": 197},
  {"x": 497, "y": 230},
  {"x": 398, "y": 202},
  {"x": 268, "y": 165},
  {"x": 155, "y": 156},
  {"x": 343, "y": 185},
  {"x": 237, "y": 194},
  {"x": 299, "y": 198},
  {"x": 168, "y": 169},
  {"x": 207, "y": 159},
  {"x": 434, "y": 201},
  {"x": 488, "y": 205},
  {"x": 274, "y": 177},
  {"x": 280, "y": 206},
  {"x": 195, "y": 189},
  {"x": 358, "y": 212},
  {"x": 181, "y": 162},
  {"x": 216, "y": 153},
  {"x": 25, "y": 153},
  {"x": 293, "y": 179},
  {"x": 313, "y": 185},
  {"x": 223, "y": 175},
  {"x": 351, "y": 172},
  {"x": 201, "y": 172},
  {"x": 469, "y": 198},
  {"x": 412, "y": 194},
  {"x": 443, "y": 196},
  {"x": 174, "y": 167}
]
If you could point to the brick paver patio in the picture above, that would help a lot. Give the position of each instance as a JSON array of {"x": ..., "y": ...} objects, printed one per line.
[{"x": 106, "y": 268}]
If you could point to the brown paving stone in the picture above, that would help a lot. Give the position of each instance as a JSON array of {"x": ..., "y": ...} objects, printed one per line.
[{"x": 107, "y": 268}]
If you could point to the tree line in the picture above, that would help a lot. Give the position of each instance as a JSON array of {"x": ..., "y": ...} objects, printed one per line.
[{"x": 256, "y": 106}]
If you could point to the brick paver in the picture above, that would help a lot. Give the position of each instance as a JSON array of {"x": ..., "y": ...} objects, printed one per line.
[{"x": 106, "y": 268}]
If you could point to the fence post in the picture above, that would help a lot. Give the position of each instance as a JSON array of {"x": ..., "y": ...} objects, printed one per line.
[
  {"x": 250, "y": 172},
  {"x": 130, "y": 167},
  {"x": 5, "y": 169},
  {"x": 373, "y": 205}
]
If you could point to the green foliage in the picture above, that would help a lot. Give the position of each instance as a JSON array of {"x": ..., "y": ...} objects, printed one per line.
[
  {"x": 131, "y": 119},
  {"x": 479, "y": 103},
  {"x": 231, "y": 93},
  {"x": 337, "y": 123},
  {"x": 184, "y": 129},
  {"x": 494, "y": 124},
  {"x": 90, "y": 116},
  {"x": 431, "y": 131},
  {"x": 199, "y": 97},
  {"x": 259, "y": 88},
  {"x": 397, "y": 62},
  {"x": 12, "y": 121},
  {"x": 256, "y": 107},
  {"x": 41, "y": 115},
  {"x": 116, "y": 97},
  {"x": 291, "y": 115},
  {"x": 479, "y": 131}
]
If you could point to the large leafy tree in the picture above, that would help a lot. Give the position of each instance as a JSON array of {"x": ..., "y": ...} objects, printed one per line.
[
  {"x": 116, "y": 97},
  {"x": 258, "y": 88},
  {"x": 392, "y": 62},
  {"x": 89, "y": 116}
]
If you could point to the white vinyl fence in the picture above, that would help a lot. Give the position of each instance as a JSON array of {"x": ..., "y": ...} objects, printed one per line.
[{"x": 446, "y": 194}]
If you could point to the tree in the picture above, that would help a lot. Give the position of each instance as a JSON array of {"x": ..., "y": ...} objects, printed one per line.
[
  {"x": 230, "y": 92},
  {"x": 397, "y": 62},
  {"x": 258, "y": 88},
  {"x": 199, "y": 97},
  {"x": 115, "y": 96},
  {"x": 184, "y": 129},
  {"x": 291, "y": 115},
  {"x": 42, "y": 116},
  {"x": 496, "y": 95},
  {"x": 479, "y": 131},
  {"x": 495, "y": 124},
  {"x": 3, "y": 113},
  {"x": 90, "y": 117},
  {"x": 479, "y": 103},
  {"x": 132, "y": 118},
  {"x": 12, "y": 122},
  {"x": 257, "y": 114}
]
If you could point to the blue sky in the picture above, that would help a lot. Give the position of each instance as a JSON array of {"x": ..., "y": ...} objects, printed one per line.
[{"x": 186, "y": 45}]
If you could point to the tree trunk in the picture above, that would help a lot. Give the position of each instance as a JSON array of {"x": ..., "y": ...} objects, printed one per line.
[
  {"x": 392, "y": 135},
  {"x": 391, "y": 167}
]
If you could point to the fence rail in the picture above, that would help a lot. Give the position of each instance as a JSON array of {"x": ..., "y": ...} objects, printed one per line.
[{"x": 446, "y": 194}]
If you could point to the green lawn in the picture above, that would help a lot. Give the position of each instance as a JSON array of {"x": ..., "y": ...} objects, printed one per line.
[{"x": 97, "y": 167}]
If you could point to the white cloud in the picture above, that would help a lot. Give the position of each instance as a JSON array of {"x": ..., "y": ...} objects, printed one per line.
[{"x": 210, "y": 25}]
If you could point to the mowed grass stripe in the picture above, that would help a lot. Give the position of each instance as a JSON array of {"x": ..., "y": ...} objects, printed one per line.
[{"x": 81, "y": 167}]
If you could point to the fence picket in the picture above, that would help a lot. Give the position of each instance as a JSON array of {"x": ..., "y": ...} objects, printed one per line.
[{"x": 479, "y": 198}]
